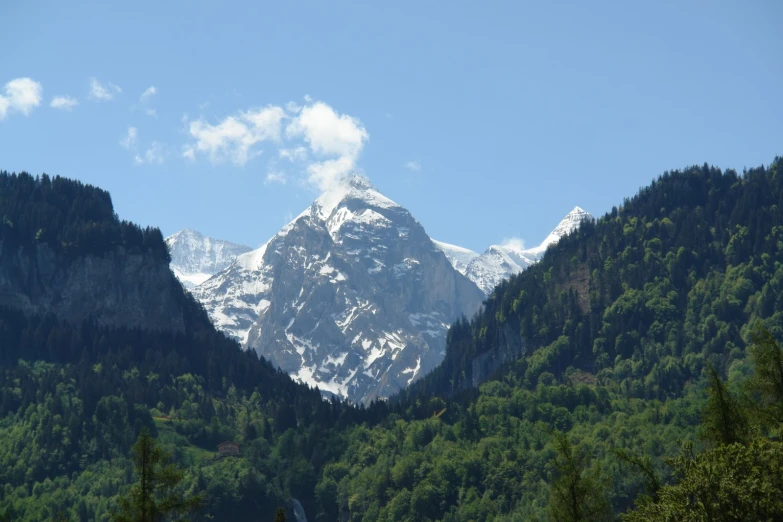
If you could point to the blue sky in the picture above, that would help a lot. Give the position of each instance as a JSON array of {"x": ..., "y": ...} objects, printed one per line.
[{"x": 488, "y": 120}]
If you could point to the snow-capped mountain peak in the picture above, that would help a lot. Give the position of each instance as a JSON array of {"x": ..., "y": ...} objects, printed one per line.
[
  {"x": 567, "y": 225},
  {"x": 460, "y": 257},
  {"x": 196, "y": 257},
  {"x": 351, "y": 296},
  {"x": 499, "y": 262}
]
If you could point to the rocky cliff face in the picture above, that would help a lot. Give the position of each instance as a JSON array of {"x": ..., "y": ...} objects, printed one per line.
[
  {"x": 352, "y": 296},
  {"x": 114, "y": 289},
  {"x": 196, "y": 257}
]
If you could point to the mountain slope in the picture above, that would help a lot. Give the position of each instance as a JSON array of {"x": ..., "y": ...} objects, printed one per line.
[
  {"x": 351, "y": 296},
  {"x": 196, "y": 257}
]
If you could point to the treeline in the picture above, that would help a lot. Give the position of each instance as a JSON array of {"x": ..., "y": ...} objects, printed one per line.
[{"x": 68, "y": 216}]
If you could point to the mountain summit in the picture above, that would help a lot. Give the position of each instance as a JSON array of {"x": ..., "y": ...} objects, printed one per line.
[
  {"x": 499, "y": 262},
  {"x": 352, "y": 296},
  {"x": 196, "y": 257}
]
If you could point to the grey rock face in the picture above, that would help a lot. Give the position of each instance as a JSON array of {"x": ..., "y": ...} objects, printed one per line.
[
  {"x": 196, "y": 257},
  {"x": 352, "y": 296},
  {"x": 114, "y": 289}
]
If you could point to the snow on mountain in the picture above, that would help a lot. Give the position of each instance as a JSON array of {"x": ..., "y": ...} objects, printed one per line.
[
  {"x": 195, "y": 257},
  {"x": 460, "y": 257},
  {"x": 352, "y": 296},
  {"x": 500, "y": 262}
]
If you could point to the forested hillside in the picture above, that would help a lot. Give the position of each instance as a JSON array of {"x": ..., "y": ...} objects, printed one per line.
[
  {"x": 617, "y": 324},
  {"x": 73, "y": 397},
  {"x": 597, "y": 358}
]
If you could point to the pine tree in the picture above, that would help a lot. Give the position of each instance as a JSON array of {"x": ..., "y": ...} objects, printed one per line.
[
  {"x": 280, "y": 515},
  {"x": 723, "y": 420},
  {"x": 575, "y": 494},
  {"x": 766, "y": 384},
  {"x": 152, "y": 498}
]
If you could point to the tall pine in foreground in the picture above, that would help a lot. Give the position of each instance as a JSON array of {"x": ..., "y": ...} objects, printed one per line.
[
  {"x": 740, "y": 477},
  {"x": 576, "y": 494},
  {"x": 152, "y": 498}
]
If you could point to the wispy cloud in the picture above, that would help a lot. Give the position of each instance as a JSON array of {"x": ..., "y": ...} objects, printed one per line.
[
  {"x": 99, "y": 92},
  {"x": 148, "y": 93},
  {"x": 275, "y": 177},
  {"x": 21, "y": 95},
  {"x": 64, "y": 103},
  {"x": 294, "y": 154},
  {"x": 145, "y": 99},
  {"x": 413, "y": 165},
  {"x": 234, "y": 138},
  {"x": 153, "y": 154},
  {"x": 513, "y": 243},
  {"x": 130, "y": 139}
]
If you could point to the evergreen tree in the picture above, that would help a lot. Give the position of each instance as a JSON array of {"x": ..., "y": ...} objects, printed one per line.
[
  {"x": 766, "y": 383},
  {"x": 280, "y": 515},
  {"x": 152, "y": 498},
  {"x": 724, "y": 421},
  {"x": 576, "y": 494}
]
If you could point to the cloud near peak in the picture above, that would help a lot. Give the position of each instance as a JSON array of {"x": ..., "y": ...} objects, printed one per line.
[
  {"x": 21, "y": 95},
  {"x": 315, "y": 138}
]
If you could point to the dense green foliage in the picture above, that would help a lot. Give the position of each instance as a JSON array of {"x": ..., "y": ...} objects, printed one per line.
[
  {"x": 68, "y": 216},
  {"x": 740, "y": 477},
  {"x": 620, "y": 323}
]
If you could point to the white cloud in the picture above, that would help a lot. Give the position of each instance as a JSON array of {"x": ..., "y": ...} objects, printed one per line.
[
  {"x": 235, "y": 137},
  {"x": 294, "y": 154},
  {"x": 65, "y": 103},
  {"x": 100, "y": 93},
  {"x": 130, "y": 139},
  {"x": 414, "y": 165},
  {"x": 324, "y": 144},
  {"x": 153, "y": 154},
  {"x": 328, "y": 133},
  {"x": 151, "y": 112},
  {"x": 189, "y": 153},
  {"x": 21, "y": 95},
  {"x": 513, "y": 243},
  {"x": 307, "y": 98},
  {"x": 148, "y": 93},
  {"x": 276, "y": 177}
]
